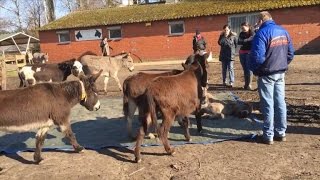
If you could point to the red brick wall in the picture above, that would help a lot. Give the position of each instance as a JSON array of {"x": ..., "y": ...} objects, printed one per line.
[{"x": 151, "y": 43}]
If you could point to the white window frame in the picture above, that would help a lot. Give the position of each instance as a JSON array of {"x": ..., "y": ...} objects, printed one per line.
[
  {"x": 114, "y": 28},
  {"x": 63, "y": 32},
  {"x": 246, "y": 15},
  {"x": 173, "y": 23}
]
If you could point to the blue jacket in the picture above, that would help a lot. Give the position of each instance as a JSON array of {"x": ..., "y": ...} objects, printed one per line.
[{"x": 271, "y": 50}]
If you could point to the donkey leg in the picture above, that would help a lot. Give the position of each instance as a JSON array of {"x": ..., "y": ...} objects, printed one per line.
[
  {"x": 40, "y": 137},
  {"x": 140, "y": 137},
  {"x": 131, "y": 110},
  {"x": 163, "y": 133},
  {"x": 186, "y": 123},
  {"x": 106, "y": 79},
  {"x": 66, "y": 129},
  {"x": 198, "y": 115},
  {"x": 118, "y": 81}
]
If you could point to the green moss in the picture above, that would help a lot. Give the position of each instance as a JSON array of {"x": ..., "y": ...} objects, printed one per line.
[{"x": 156, "y": 12}]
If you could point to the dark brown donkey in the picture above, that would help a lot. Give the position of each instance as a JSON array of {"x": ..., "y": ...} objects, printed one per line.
[
  {"x": 44, "y": 105},
  {"x": 133, "y": 87},
  {"x": 176, "y": 95}
]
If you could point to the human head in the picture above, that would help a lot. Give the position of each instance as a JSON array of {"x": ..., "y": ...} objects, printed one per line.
[
  {"x": 197, "y": 32},
  {"x": 245, "y": 26},
  {"x": 264, "y": 16},
  {"x": 226, "y": 29}
]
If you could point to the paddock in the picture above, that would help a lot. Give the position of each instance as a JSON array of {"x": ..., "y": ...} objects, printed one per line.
[{"x": 296, "y": 158}]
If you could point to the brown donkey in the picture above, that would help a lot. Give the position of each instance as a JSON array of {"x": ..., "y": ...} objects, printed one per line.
[
  {"x": 176, "y": 95},
  {"x": 133, "y": 87},
  {"x": 44, "y": 105}
]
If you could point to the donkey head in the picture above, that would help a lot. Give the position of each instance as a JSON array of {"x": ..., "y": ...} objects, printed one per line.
[
  {"x": 77, "y": 68},
  {"x": 89, "y": 96},
  {"x": 127, "y": 61},
  {"x": 44, "y": 58}
]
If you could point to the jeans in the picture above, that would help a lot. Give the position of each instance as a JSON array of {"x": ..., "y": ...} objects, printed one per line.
[
  {"x": 273, "y": 105},
  {"x": 244, "y": 60},
  {"x": 227, "y": 65}
]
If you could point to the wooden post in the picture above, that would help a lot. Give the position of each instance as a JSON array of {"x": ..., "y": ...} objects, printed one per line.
[
  {"x": 16, "y": 45},
  {"x": 3, "y": 75}
]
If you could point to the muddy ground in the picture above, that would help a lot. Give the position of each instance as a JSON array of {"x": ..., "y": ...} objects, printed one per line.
[{"x": 298, "y": 158}]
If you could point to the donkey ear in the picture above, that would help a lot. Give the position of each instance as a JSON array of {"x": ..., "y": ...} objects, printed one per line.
[{"x": 94, "y": 77}]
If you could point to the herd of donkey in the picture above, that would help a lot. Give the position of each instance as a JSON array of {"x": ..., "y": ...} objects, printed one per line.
[{"x": 44, "y": 100}]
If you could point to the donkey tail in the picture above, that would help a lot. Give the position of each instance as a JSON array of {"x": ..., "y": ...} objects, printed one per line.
[{"x": 152, "y": 110}]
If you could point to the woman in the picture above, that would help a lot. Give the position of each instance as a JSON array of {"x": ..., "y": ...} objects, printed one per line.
[
  {"x": 104, "y": 45},
  {"x": 245, "y": 38},
  {"x": 228, "y": 43}
]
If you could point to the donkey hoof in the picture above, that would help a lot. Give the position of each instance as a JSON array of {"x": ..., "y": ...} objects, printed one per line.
[
  {"x": 37, "y": 160},
  {"x": 189, "y": 140},
  {"x": 138, "y": 160},
  {"x": 79, "y": 149},
  {"x": 171, "y": 152}
]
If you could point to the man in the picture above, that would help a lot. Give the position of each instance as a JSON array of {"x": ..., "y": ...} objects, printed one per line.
[{"x": 271, "y": 53}]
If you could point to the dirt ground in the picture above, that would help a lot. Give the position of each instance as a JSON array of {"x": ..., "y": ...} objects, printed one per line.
[{"x": 298, "y": 158}]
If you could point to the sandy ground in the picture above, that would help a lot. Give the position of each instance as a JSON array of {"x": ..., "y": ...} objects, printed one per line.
[{"x": 298, "y": 158}]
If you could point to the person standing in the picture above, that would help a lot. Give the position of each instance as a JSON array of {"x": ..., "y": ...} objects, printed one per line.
[
  {"x": 198, "y": 43},
  {"x": 271, "y": 52},
  {"x": 104, "y": 45},
  {"x": 245, "y": 38},
  {"x": 199, "y": 50},
  {"x": 228, "y": 43}
]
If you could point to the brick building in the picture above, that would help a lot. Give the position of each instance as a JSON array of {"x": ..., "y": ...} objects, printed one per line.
[{"x": 165, "y": 31}]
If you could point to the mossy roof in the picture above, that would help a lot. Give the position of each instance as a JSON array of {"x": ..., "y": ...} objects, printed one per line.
[{"x": 156, "y": 12}]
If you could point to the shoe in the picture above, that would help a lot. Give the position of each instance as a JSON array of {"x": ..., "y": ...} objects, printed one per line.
[
  {"x": 230, "y": 85},
  {"x": 280, "y": 139},
  {"x": 260, "y": 139}
]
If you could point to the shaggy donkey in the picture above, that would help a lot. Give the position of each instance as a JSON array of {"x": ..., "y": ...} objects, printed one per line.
[
  {"x": 44, "y": 105},
  {"x": 177, "y": 95},
  {"x": 133, "y": 87}
]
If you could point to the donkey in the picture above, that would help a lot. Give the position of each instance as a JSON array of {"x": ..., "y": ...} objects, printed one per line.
[
  {"x": 110, "y": 66},
  {"x": 44, "y": 105},
  {"x": 37, "y": 58},
  {"x": 32, "y": 74},
  {"x": 133, "y": 87},
  {"x": 177, "y": 95}
]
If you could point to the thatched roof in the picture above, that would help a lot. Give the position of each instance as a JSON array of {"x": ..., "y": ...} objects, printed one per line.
[{"x": 156, "y": 12}]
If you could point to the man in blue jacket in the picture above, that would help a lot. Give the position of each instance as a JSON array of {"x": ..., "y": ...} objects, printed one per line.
[{"x": 271, "y": 53}]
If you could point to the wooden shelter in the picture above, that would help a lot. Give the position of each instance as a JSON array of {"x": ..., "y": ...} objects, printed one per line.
[{"x": 13, "y": 62}]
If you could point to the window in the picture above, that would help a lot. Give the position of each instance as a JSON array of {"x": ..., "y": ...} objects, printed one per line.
[
  {"x": 115, "y": 32},
  {"x": 236, "y": 20},
  {"x": 176, "y": 28},
  {"x": 63, "y": 36}
]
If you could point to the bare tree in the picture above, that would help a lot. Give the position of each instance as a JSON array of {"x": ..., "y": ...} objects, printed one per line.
[
  {"x": 15, "y": 9},
  {"x": 83, "y": 4},
  {"x": 49, "y": 10},
  {"x": 69, "y": 5},
  {"x": 35, "y": 14}
]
